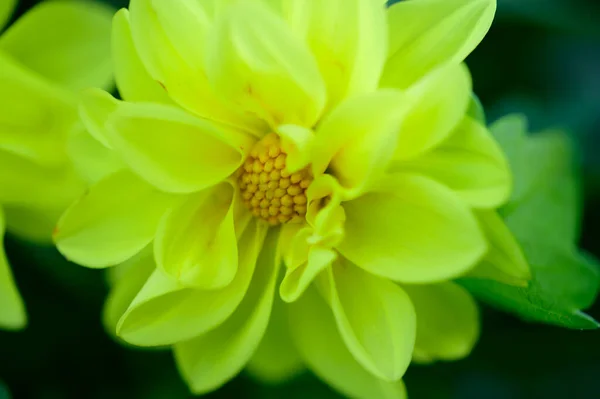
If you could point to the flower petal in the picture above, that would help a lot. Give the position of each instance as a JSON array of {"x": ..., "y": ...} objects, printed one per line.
[
  {"x": 276, "y": 359},
  {"x": 412, "y": 230},
  {"x": 196, "y": 242},
  {"x": 438, "y": 104},
  {"x": 165, "y": 312},
  {"x": 426, "y": 34},
  {"x": 321, "y": 347},
  {"x": 297, "y": 280},
  {"x": 448, "y": 321},
  {"x": 348, "y": 39},
  {"x": 112, "y": 222},
  {"x": 378, "y": 325},
  {"x": 471, "y": 163},
  {"x": 133, "y": 81},
  {"x": 254, "y": 61},
  {"x": 32, "y": 223},
  {"x": 210, "y": 360},
  {"x": 6, "y": 10},
  {"x": 67, "y": 42},
  {"x": 12, "y": 310},
  {"x": 358, "y": 138},
  {"x": 172, "y": 149}
]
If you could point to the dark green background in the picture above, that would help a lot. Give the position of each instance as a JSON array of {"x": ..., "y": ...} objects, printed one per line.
[{"x": 542, "y": 58}]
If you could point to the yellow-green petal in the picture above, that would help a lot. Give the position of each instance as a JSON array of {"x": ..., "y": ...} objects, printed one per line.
[
  {"x": 133, "y": 81},
  {"x": 471, "y": 163},
  {"x": 374, "y": 316},
  {"x": 210, "y": 360},
  {"x": 32, "y": 223},
  {"x": 321, "y": 347},
  {"x": 448, "y": 321},
  {"x": 426, "y": 34},
  {"x": 6, "y": 9},
  {"x": 67, "y": 42},
  {"x": 12, "y": 309},
  {"x": 254, "y": 61},
  {"x": 112, "y": 222},
  {"x": 413, "y": 230}
]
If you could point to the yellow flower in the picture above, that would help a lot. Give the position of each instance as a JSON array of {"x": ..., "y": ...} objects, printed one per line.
[
  {"x": 46, "y": 156},
  {"x": 332, "y": 135}
]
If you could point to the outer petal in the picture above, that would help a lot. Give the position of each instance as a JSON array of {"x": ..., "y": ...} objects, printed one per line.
[
  {"x": 196, "y": 243},
  {"x": 67, "y": 42},
  {"x": 32, "y": 223},
  {"x": 212, "y": 359},
  {"x": 348, "y": 39},
  {"x": 357, "y": 140},
  {"x": 170, "y": 38},
  {"x": 426, "y": 34},
  {"x": 165, "y": 312},
  {"x": 255, "y": 61},
  {"x": 375, "y": 318},
  {"x": 412, "y": 230},
  {"x": 112, "y": 222},
  {"x": 133, "y": 81},
  {"x": 12, "y": 310},
  {"x": 438, "y": 103},
  {"x": 469, "y": 162},
  {"x": 320, "y": 345},
  {"x": 448, "y": 321},
  {"x": 6, "y": 9}
]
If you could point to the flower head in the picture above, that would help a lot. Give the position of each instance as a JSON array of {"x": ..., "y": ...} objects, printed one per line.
[{"x": 332, "y": 135}]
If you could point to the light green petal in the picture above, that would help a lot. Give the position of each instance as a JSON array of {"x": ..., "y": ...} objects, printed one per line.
[
  {"x": 133, "y": 81},
  {"x": 374, "y": 316},
  {"x": 447, "y": 321},
  {"x": 471, "y": 163},
  {"x": 412, "y": 230},
  {"x": 12, "y": 309},
  {"x": 32, "y": 223},
  {"x": 67, "y": 42},
  {"x": 95, "y": 107},
  {"x": 297, "y": 143},
  {"x": 196, "y": 242},
  {"x": 210, "y": 360},
  {"x": 320, "y": 345},
  {"x": 438, "y": 104},
  {"x": 505, "y": 261},
  {"x": 165, "y": 312},
  {"x": 276, "y": 359},
  {"x": 172, "y": 149},
  {"x": 297, "y": 280},
  {"x": 426, "y": 34},
  {"x": 112, "y": 222},
  {"x": 6, "y": 9},
  {"x": 358, "y": 138},
  {"x": 348, "y": 39},
  {"x": 35, "y": 117},
  {"x": 170, "y": 39},
  {"x": 254, "y": 60}
]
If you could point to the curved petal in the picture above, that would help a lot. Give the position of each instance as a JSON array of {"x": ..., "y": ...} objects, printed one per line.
[
  {"x": 196, "y": 242},
  {"x": 438, "y": 104},
  {"x": 374, "y": 316},
  {"x": 348, "y": 39},
  {"x": 426, "y": 34},
  {"x": 67, "y": 42},
  {"x": 210, "y": 360},
  {"x": 276, "y": 359},
  {"x": 297, "y": 280},
  {"x": 34, "y": 224},
  {"x": 253, "y": 60},
  {"x": 448, "y": 321},
  {"x": 172, "y": 149},
  {"x": 321, "y": 347},
  {"x": 95, "y": 107},
  {"x": 412, "y": 230},
  {"x": 133, "y": 81},
  {"x": 112, "y": 222},
  {"x": 12, "y": 309},
  {"x": 6, "y": 10},
  {"x": 170, "y": 39},
  {"x": 165, "y": 312},
  {"x": 471, "y": 163},
  {"x": 358, "y": 138}
]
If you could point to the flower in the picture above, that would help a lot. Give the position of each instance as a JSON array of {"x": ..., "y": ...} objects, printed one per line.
[
  {"x": 46, "y": 156},
  {"x": 335, "y": 136}
]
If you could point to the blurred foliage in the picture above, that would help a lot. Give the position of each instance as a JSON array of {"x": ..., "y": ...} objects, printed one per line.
[{"x": 541, "y": 58}]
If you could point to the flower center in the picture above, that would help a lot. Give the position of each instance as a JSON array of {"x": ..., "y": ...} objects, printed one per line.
[{"x": 268, "y": 189}]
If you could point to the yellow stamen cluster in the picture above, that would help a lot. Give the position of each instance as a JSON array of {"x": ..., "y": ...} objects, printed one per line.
[{"x": 268, "y": 189}]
